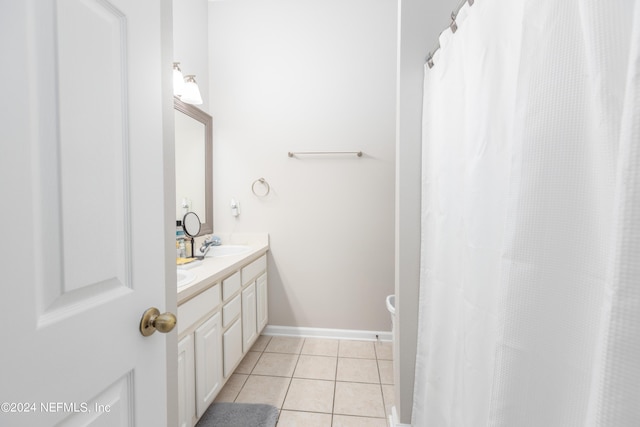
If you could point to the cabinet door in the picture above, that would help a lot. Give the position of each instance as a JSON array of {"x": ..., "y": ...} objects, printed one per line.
[
  {"x": 186, "y": 383},
  {"x": 248, "y": 317},
  {"x": 232, "y": 347},
  {"x": 262, "y": 302},
  {"x": 208, "y": 362}
]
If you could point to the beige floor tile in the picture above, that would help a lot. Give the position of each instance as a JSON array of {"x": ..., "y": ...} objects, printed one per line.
[
  {"x": 261, "y": 343},
  {"x": 248, "y": 363},
  {"x": 284, "y": 345},
  {"x": 386, "y": 371},
  {"x": 320, "y": 347},
  {"x": 388, "y": 398},
  {"x": 276, "y": 364},
  {"x": 316, "y": 367},
  {"x": 303, "y": 419},
  {"x": 263, "y": 389},
  {"x": 310, "y": 395},
  {"x": 357, "y": 349},
  {"x": 358, "y": 370},
  {"x": 231, "y": 389},
  {"x": 358, "y": 399},
  {"x": 349, "y": 421},
  {"x": 384, "y": 350}
]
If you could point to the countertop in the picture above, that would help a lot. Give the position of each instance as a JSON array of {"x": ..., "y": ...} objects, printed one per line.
[{"x": 213, "y": 269}]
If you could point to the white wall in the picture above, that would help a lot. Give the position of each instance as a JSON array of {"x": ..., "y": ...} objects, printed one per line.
[{"x": 296, "y": 75}]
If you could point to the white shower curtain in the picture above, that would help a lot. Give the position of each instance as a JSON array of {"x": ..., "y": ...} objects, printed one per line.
[{"x": 530, "y": 278}]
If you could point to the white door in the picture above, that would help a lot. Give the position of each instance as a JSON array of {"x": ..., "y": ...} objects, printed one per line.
[{"x": 86, "y": 153}]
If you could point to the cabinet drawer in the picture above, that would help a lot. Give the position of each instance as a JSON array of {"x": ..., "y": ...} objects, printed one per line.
[
  {"x": 196, "y": 308},
  {"x": 230, "y": 285},
  {"x": 252, "y": 270},
  {"x": 230, "y": 311}
]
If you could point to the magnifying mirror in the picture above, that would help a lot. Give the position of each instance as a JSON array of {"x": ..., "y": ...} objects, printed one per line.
[{"x": 191, "y": 225}]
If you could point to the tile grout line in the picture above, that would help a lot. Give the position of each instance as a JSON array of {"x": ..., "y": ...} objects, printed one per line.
[
  {"x": 250, "y": 372},
  {"x": 335, "y": 384},
  {"x": 291, "y": 377}
]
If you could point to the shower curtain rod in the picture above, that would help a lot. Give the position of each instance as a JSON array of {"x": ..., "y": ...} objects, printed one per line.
[{"x": 453, "y": 26}]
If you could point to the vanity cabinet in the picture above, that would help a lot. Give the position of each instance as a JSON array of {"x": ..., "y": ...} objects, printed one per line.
[
  {"x": 262, "y": 307},
  {"x": 216, "y": 328},
  {"x": 208, "y": 366},
  {"x": 186, "y": 382},
  {"x": 232, "y": 342},
  {"x": 199, "y": 354},
  {"x": 249, "y": 325}
]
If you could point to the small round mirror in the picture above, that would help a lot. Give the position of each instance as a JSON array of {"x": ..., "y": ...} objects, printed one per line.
[{"x": 191, "y": 224}]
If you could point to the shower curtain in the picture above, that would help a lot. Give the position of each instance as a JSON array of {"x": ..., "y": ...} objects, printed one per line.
[{"x": 530, "y": 275}]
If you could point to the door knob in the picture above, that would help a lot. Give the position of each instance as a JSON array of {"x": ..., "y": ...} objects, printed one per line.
[{"x": 152, "y": 320}]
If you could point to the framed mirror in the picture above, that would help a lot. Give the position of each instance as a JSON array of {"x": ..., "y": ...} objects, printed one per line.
[{"x": 194, "y": 185}]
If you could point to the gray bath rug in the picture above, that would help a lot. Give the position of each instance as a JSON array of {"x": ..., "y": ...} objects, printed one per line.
[{"x": 239, "y": 415}]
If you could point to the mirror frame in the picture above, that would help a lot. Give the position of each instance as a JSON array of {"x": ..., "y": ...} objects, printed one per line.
[{"x": 204, "y": 118}]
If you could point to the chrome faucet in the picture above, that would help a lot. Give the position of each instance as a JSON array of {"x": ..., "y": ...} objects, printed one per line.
[{"x": 206, "y": 245}]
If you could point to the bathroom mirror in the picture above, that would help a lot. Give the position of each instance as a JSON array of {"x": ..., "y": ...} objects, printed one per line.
[{"x": 194, "y": 186}]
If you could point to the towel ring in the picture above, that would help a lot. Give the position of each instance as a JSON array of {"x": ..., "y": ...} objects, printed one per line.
[{"x": 263, "y": 182}]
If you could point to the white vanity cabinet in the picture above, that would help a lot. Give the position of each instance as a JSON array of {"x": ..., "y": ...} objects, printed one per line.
[
  {"x": 231, "y": 310},
  {"x": 199, "y": 355},
  {"x": 208, "y": 368},
  {"x": 232, "y": 342},
  {"x": 251, "y": 321},
  {"x": 249, "y": 325},
  {"x": 215, "y": 330},
  {"x": 240, "y": 308},
  {"x": 262, "y": 303},
  {"x": 186, "y": 382}
]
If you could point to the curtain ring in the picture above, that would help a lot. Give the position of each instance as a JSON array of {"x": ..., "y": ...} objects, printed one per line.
[
  {"x": 263, "y": 182},
  {"x": 453, "y": 26}
]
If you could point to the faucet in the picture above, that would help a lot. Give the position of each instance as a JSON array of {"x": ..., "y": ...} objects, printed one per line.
[{"x": 206, "y": 245}]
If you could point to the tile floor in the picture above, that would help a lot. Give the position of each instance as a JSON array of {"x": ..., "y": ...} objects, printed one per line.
[{"x": 317, "y": 382}]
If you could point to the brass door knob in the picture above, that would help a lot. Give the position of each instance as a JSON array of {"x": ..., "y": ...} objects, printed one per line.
[{"x": 152, "y": 320}]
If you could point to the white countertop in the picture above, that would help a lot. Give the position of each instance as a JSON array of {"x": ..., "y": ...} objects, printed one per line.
[{"x": 213, "y": 269}]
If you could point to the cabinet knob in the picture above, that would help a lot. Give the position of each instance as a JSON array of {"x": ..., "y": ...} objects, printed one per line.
[{"x": 152, "y": 320}]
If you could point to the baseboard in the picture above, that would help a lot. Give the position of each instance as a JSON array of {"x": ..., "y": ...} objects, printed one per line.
[
  {"x": 393, "y": 419},
  {"x": 349, "y": 334}
]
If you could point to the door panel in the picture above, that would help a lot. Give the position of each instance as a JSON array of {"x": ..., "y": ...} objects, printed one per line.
[
  {"x": 112, "y": 407},
  {"x": 208, "y": 343},
  {"x": 248, "y": 317},
  {"x": 84, "y": 183},
  {"x": 186, "y": 382},
  {"x": 84, "y": 157},
  {"x": 232, "y": 347},
  {"x": 262, "y": 313}
]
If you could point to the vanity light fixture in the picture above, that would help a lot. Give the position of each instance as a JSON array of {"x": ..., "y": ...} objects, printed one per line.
[
  {"x": 191, "y": 93},
  {"x": 178, "y": 80}
]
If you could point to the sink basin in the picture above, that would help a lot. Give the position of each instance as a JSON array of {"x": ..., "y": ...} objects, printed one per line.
[
  {"x": 185, "y": 277},
  {"x": 227, "y": 250}
]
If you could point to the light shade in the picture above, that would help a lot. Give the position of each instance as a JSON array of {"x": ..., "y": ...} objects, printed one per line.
[
  {"x": 191, "y": 93},
  {"x": 178, "y": 80}
]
